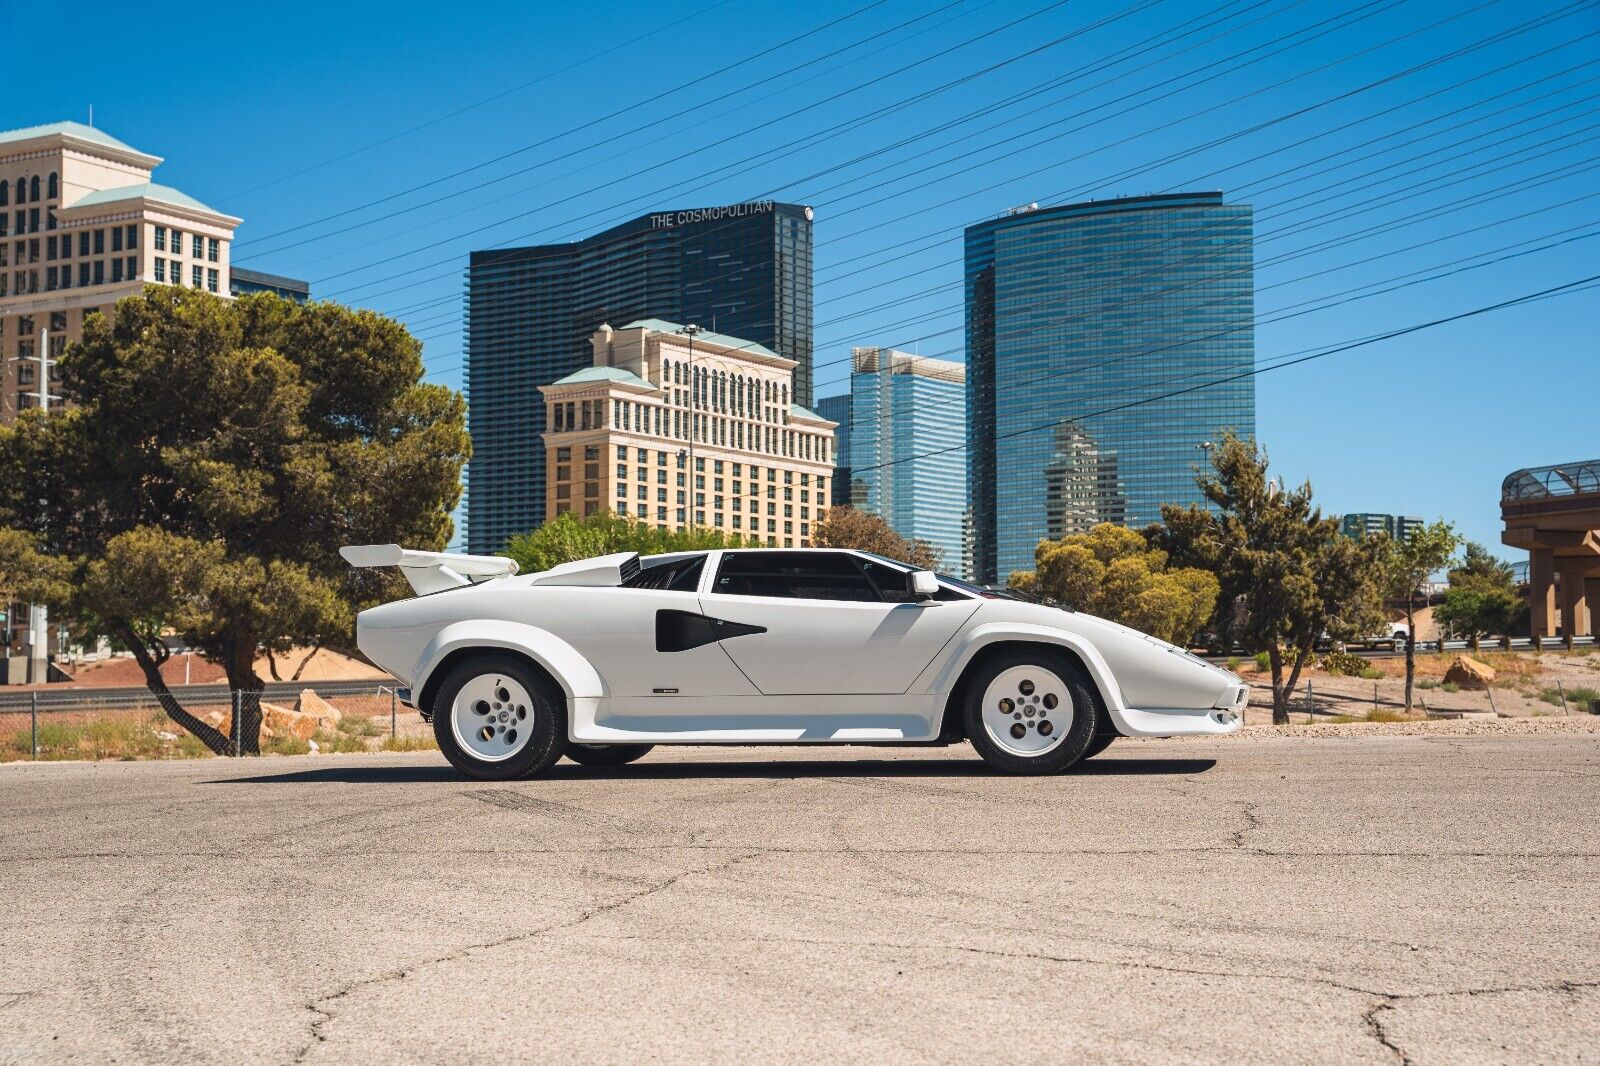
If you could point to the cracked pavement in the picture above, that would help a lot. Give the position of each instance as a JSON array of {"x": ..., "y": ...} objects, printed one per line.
[{"x": 1384, "y": 900}]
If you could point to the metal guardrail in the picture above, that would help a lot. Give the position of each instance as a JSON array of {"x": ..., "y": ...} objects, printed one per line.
[
  {"x": 139, "y": 698},
  {"x": 1431, "y": 647}
]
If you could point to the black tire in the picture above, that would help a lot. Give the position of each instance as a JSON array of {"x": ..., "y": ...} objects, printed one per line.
[
  {"x": 1086, "y": 708},
  {"x": 546, "y": 723},
  {"x": 606, "y": 754},
  {"x": 1100, "y": 742}
]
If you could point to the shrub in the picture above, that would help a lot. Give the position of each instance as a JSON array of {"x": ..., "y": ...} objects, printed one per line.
[
  {"x": 411, "y": 742},
  {"x": 334, "y": 743},
  {"x": 356, "y": 725},
  {"x": 1347, "y": 664},
  {"x": 1263, "y": 661},
  {"x": 1428, "y": 682},
  {"x": 1233, "y": 662},
  {"x": 1371, "y": 673},
  {"x": 1450, "y": 686}
]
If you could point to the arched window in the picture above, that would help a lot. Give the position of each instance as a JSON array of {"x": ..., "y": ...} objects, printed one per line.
[
  {"x": 5, "y": 193},
  {"x": 33, "y": 190},
  {"x": 53, "y": 187},
  {"x": 22, "y": 190}
]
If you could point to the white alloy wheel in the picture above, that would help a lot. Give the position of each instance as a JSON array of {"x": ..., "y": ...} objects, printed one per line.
[
  {"x": 1027, "y": 710},
  {"x": 492, "y": 717}
]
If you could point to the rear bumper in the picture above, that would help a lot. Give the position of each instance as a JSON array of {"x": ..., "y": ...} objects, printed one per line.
[{"x": 1177, "y": 722}]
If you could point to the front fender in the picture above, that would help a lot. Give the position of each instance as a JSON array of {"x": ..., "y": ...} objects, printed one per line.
[
  {"x": 990, "y": 633},
  {"x": 577, "y": 678}
]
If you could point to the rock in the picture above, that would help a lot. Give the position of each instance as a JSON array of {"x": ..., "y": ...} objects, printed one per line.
[
  {"x": 1469, "y": 673},
  {"x": 325, "y": 713},
  {"x": 285, "y": 722}
]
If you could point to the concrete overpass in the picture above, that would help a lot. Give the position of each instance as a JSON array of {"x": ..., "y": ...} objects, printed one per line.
[{"x": 1553, "y": 513}]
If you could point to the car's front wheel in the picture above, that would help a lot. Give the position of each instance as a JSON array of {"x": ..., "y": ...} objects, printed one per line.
[
  {"x": 1031, "y": 711},
  {"x": 497, "y": 719},
  {"x": 606, "y": 754}
]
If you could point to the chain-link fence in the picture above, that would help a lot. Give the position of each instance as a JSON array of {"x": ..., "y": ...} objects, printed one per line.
[{"x": 284, "y": 718}]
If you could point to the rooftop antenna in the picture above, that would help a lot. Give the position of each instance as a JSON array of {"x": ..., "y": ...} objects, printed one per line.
[{"x": 91, "y": 116}]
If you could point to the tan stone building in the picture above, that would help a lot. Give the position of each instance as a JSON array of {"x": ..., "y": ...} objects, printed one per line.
[
  {"x": 674, "y": 430},
  {"x": 81, "y": 226}
]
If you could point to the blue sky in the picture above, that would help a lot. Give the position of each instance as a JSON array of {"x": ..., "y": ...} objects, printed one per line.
[{"x": 1363, "y": 174}]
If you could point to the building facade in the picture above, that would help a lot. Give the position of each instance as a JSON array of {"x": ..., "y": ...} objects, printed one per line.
[
  {"x": 836, "y": 409},
  {"x": 675, "y": 430},
  {"x": 908, "y": 447},
  {"x": 743, "y": 270},
  {"x": 243, "y": 282},
  {"x": 1108, "y": 345},
  {"x": 1363, "y": 524},
  {"x": 81, "y": 226}
]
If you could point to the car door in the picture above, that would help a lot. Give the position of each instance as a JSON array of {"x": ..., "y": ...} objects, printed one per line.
[
  {"x": 814, "y": 623},
  {"x": 643, "y": 636}
]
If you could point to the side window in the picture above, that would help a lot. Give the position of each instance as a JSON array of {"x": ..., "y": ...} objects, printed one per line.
[
  {"x": 679, "y": 575},
  {"x": 794, "y": 575}
]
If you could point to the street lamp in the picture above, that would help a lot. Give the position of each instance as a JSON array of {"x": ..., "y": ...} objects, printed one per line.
[
  {"x": 38, "y": 616},
  {"x": 691, "y": 331}
]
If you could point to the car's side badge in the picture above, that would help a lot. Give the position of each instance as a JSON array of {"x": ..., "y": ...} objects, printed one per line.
[{"x": 683, "y": 630}]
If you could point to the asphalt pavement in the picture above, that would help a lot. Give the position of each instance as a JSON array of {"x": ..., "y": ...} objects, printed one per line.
[{"x": 1385, "y": 900}]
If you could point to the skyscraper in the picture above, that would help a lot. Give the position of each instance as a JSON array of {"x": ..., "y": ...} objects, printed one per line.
[
  {"x": 908, "y": 461},
  {"x": 1083, "y": 323},
  {"x": 742, "y": 270},
  {"x": 836, "y": 409}
]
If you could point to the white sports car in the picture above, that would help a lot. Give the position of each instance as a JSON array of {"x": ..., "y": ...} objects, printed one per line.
[{"x": 601, "y": 659}]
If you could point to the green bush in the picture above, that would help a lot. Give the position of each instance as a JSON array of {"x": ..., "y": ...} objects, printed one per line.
[
  {"x": 1263, "y": 661},
  {"x": 1450, "y": 686},
  {"x": 1428, "y": 682},
  {"x": 1371, "y": 673},
  {"x": 1347, "y": 664},
  {"x": 1234, "y": 662}
]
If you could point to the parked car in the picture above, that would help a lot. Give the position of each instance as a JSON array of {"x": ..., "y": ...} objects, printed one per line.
[{"x": 602, "y": 659}]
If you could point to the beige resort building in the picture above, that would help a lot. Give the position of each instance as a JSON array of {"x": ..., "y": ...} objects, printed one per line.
[
  {"x": 624, "y": 434},
  {"x": 81, "y": 226}
]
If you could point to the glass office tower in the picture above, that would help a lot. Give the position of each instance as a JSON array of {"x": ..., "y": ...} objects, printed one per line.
[
  {"x": 742, "y": 270},
  {"x": 1084, "y": 324},
  {"x": 908, "y": 456},
  {"x": 837, "y": 409}
]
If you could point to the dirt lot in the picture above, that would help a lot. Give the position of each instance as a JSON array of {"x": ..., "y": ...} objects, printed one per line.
[{"x": 1525, "y": 686}]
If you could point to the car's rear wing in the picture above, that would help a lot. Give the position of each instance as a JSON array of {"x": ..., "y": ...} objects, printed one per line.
[{"x": 430, "y": 571}]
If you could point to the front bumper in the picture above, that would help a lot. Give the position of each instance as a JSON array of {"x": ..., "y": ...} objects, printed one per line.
[{"x": 1187, "y": 722}]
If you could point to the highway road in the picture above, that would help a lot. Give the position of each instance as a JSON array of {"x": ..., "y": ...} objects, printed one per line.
[{"x": 1256, "y": 898}]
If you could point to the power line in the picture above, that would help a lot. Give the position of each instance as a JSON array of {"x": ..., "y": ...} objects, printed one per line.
[
  {"x": 477, "y": 103},
  {"x": 1455, "y": 53},
  {"x": 1296, "y": 360}
]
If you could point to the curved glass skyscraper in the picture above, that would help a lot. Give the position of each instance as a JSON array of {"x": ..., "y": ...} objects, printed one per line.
[{"x": 1085, "y": 325}]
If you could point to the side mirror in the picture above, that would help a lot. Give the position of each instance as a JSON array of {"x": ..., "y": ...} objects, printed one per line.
[{"x": 922, "y": 584}]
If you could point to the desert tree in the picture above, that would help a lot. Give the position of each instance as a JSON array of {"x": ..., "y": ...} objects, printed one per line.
[
  {"x": 1288, "y": 577},
  {"x": 1404, "y": 564},
  {"x": 214, "y": 456}
]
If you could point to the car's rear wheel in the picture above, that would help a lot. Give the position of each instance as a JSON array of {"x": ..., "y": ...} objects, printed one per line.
[
  {"x": 606, "y": 754},
  {"x": 496, "y": 718},
  {"x": 1031, "y": 711}
]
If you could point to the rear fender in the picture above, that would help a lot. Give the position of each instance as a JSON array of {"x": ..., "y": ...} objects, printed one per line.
[{"x": 576, "y": 676}]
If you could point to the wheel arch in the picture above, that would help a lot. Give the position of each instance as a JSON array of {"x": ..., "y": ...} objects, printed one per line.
[
  {"x": 983, "y": 647},
  {"x": 547, "y": 654}
]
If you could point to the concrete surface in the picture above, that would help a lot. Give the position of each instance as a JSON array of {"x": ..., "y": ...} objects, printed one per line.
[{"x": 1379, "y": 900}]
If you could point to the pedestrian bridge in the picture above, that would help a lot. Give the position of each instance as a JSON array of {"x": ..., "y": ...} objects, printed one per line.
[{"x": 1553, "y": 513}]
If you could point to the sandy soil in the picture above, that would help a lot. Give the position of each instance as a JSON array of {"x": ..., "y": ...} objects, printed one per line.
[{"x": 1521, "y": 679}]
